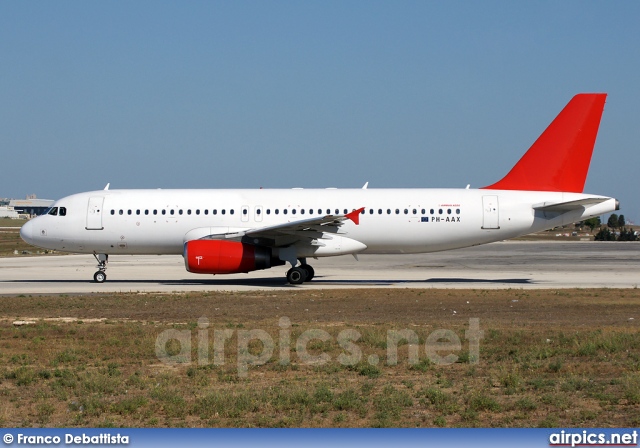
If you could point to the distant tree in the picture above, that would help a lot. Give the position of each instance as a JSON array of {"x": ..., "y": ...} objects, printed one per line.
[
  {"x": 613, "y": 221},
  {"x": 592, "y": 223},
  {"x": 605, "y": 235},
  {"x": 627, "y": 235},
  {"x": 621, "y": 221}
]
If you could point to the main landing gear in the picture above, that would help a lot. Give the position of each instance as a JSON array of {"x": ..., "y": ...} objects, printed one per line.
[
  {"x": 300, "y": 274},
  {"x": 100, "y": 276}
]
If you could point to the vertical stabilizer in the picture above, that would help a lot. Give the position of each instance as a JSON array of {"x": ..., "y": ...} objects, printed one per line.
[{"x": 559, "y": 159}]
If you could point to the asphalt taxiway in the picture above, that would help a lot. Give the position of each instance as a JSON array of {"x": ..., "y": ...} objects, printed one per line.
[{"x": 510, "y": 264}]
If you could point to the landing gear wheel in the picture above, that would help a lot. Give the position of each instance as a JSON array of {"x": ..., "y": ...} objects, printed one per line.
[
  {"x": 296, "y": 276},
  {"x": 309, "y": 270},
  {"x": 102, "y": 259}
]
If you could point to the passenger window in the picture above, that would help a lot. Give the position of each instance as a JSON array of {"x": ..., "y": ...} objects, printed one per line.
[
  {"x": 397, "y": 212},
  {"x": 164, "y": 212},
  {"x": 328, "y": 211},
  {"x": 440, "y": 211},
  {"x": 424, "y": 212},
  {"x": 137, "y": 212},
  {"x": 388, "y": 211},
  {"x": 285, "y": 211},
  {"x": 121, "y": 212},
  {"x": 277, "y": 211},
  {"x": 457, "y": 211},
  {"x": 214, "y": 211},
  {"x": 432, "y": 211},
  {"x": 448, "y": 211},
  {"x": 245, "y": 211},
  {"x": 379, "y": 211},
  {"x": 172, "y": 212},
  {"x": 113, "y": 212},
  {"x": 189, "y": 212},
  {"x": 258, "y": 212},
  {"x": 206, "y": 211},
  {"x": 319, "y": 211},
  {"x": 180, "y": 212},
  {"x": 155, "y": 211},
  {"x": 146, "y": 212},
  {"x": 371, "y": 211},
  {"x": 223, "y": 211},
  {"x": 415, "y": 212},
  {"x": 302, "y": 211},
  {"x": 406, "y": 212},
  {"x": 268, "y": 211},
  {"x": 231, "y": 212},
  {"x": 293, "y": 212},
  {"x": 197, "y": 211}
]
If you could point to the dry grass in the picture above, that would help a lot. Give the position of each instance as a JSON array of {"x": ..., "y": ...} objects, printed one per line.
[
  {"x": 547, "y": 358},
  {"x": 10, "y": 240}
]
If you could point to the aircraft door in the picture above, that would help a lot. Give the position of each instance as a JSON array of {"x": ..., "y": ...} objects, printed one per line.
[
  {"x": 490, "y": 212},
  {"x": 94, "y": 213}
]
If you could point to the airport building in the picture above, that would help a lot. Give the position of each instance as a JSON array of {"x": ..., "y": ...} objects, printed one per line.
[{"x": 31, "y": 206}]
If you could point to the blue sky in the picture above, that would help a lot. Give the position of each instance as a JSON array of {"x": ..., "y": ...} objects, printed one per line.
[{"x": 281, "y": 94}]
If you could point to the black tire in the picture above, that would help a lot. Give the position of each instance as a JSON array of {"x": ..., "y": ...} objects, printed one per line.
[
  {"x": 310, "y": 272},
  {"x": 99, "y": 277},
  {"x": 296, "y": 276}
]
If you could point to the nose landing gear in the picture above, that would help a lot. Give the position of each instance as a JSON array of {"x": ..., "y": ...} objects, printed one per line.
[{"x": 100, "y": 276}]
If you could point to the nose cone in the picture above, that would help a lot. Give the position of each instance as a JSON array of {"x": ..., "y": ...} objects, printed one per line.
[{"x": 26, "y": 232}]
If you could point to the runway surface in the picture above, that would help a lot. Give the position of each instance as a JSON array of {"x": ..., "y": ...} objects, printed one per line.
[{"x": 498, "y": 265}]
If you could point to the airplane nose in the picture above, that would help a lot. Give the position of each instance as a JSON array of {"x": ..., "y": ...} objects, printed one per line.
[{"x": 26, "y": 232}]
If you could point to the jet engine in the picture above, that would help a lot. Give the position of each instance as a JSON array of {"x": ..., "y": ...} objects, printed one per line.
[{"x": 226, "y": 257}]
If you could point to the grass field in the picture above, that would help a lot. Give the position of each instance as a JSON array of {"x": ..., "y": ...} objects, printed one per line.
[
  {"x": 10, "y": 240},
  {"x": 547, "y": 358}
]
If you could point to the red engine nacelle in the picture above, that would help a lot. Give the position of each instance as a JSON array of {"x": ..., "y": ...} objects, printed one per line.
[{"x": 224, "y": 257}]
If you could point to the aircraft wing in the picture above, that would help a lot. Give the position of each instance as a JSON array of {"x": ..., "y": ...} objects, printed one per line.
[{"x": 287, "y": 233}]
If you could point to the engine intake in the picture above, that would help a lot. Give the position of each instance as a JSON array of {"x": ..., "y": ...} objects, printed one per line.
[{"x": 225, "y": 257}]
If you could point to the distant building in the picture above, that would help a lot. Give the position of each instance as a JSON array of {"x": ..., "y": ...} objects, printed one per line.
[
  {"x": 31, "y": 206},
  {"x": 8, "y": 212}
]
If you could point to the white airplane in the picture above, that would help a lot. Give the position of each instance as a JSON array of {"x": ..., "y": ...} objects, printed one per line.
[{"x": 233, "y": 231}]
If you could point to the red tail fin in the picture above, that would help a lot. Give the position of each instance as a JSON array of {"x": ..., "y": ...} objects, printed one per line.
[{"x": 559, "y": 159}]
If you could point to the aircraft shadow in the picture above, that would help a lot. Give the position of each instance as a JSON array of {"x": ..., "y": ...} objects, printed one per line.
[
  {"x": 520, "y": 281},
  {"x": 280, "y": 282}
]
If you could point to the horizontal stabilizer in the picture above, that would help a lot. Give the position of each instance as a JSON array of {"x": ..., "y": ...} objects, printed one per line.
[{"x": 568, "y": 206}]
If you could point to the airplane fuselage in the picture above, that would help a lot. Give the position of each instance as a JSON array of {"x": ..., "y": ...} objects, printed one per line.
[{"x": 393, "y": 221}]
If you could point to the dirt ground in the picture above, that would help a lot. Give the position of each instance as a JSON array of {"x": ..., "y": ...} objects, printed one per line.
[{"x": 516, "y": 308}]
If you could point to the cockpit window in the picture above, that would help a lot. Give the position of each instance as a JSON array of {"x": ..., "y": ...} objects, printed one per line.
[
  {"x": 53, "y": 211},
  {"x": 63, "y": 211}
]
